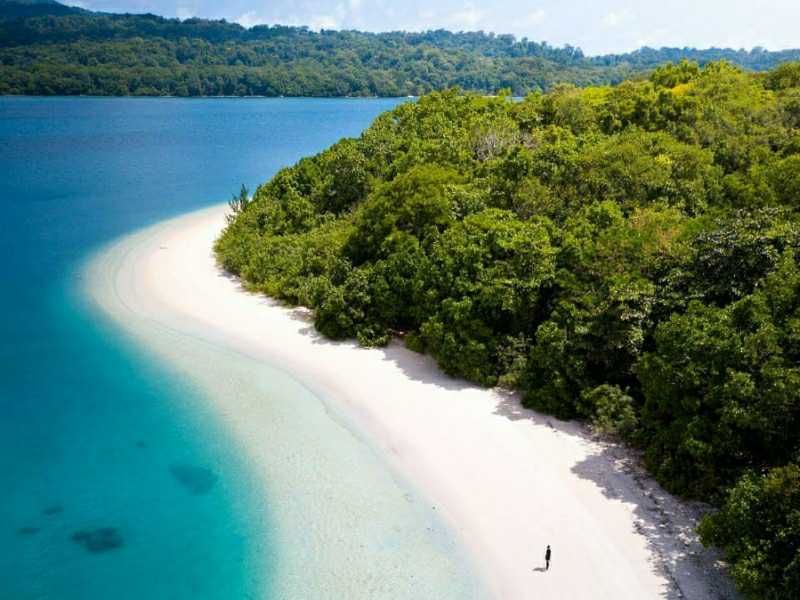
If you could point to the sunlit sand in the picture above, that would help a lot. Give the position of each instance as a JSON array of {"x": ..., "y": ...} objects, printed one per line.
[{"x": 506, "y": 480}]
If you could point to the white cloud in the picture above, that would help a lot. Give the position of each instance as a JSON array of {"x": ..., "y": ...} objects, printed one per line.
[
  {"x": 536, "y": 17},
  {"x": 615, "y": 18},
  {"x": 467, "y": 18},
  {"x": 186, "y": 10},
  {"x": 318, "y": 22},
  {"x": 248, "y": 19},
  {"x": 656, "y": 38},
  {"x": 354, "y": 4}
]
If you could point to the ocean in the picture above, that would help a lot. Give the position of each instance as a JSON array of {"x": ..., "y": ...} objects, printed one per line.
[{"x": 118, "y": 483}]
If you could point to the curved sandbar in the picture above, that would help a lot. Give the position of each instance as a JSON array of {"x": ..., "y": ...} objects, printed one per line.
[{"x": 507, "y": 480}]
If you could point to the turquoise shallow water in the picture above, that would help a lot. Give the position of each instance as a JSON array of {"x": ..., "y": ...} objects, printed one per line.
[{"x": 117, "y": 484}]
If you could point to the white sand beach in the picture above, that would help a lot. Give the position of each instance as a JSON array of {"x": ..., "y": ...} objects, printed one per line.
[{"x": 506, "y": 480}]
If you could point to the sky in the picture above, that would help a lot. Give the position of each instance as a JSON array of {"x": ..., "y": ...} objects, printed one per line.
[{"x": 598, "y": 27}]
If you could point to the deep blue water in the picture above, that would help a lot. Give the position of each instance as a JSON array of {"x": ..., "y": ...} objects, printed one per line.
[{"x": 114, "y": 485}]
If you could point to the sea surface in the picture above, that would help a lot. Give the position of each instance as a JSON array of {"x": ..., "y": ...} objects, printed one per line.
[{"x": 116, "y": 482}]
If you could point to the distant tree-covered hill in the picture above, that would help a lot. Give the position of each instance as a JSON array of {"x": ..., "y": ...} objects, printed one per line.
[
  {"x": 47, "y": 48},
  {"x": 31, "y": 8}
]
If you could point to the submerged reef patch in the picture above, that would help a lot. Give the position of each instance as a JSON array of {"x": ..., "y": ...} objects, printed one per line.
[
  {"x": 197, "y": 480},
  {"x": 28, "y": 530},
  {"x": 99, "y": 540}
]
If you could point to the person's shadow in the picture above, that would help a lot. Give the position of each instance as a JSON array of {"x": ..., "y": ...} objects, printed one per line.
[{"x": 539, "y": 570}]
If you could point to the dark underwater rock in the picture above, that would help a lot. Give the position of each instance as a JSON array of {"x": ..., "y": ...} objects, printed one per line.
[
  {"x": 197, "y": 480},
  {"x": 53, "y": 510},
  {"x": 27, "y": 530},
  {"x": 99, "y": 540}
]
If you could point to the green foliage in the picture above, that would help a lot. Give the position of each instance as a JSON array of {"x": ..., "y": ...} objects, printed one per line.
[
  {"x": 238, "y": 203},
  {"x": 784, "y": 76},
  {"x": 487, "y": 273},
  {"x": 346, "y": 178},
  {"x": 415, "y": 203},
  {"x": 625, "y": 255},
  {"x": 729, "y": 256},
  {"x": 759, "y": 529},
  {"x": 612, "y": 411},
  {"x": 671, "y": 75},
  {"x": 722, "y": 387},
  {"x": 49, "y": 48}
]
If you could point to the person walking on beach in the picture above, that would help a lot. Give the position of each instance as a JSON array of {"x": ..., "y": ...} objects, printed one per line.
[{"x": 547, "y": 558}]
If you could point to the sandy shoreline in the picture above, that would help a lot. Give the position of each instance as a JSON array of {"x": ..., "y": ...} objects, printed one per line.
[{"x": 508, "y": 481}]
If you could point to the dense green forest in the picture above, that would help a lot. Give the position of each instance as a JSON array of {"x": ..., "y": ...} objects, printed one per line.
[
  {"x": 47, "y": 48},
  {"x": 626, "y": 255}
]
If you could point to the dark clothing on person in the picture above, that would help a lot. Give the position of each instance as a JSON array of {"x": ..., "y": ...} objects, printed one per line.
[{"x": 547, "y": 559}]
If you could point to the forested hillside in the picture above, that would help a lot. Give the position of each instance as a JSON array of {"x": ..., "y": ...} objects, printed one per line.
[
  {"x": 625, "y": 255},
  {"x": 47, "y": 48},
  {"x": 12, "y": 9}
]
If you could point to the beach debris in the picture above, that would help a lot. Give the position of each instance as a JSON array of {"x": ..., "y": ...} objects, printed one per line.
[
  {"x": 96, "y": 541},
  {"x": 197, "y": 480}
]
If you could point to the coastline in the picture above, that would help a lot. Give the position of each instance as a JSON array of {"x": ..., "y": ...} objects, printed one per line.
[{"x": 505, "y": 481}]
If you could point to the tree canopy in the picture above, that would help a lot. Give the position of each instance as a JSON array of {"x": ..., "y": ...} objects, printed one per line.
[
  {"x": 628, "y": 255},
  {"x": 47, "y": 48}
]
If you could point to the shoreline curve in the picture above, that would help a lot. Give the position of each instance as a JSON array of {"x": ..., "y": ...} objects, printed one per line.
[{"x": 505, "y": 480}]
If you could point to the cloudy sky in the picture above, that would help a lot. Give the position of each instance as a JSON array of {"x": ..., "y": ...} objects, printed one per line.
[{"x": 599, "y": 26}]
